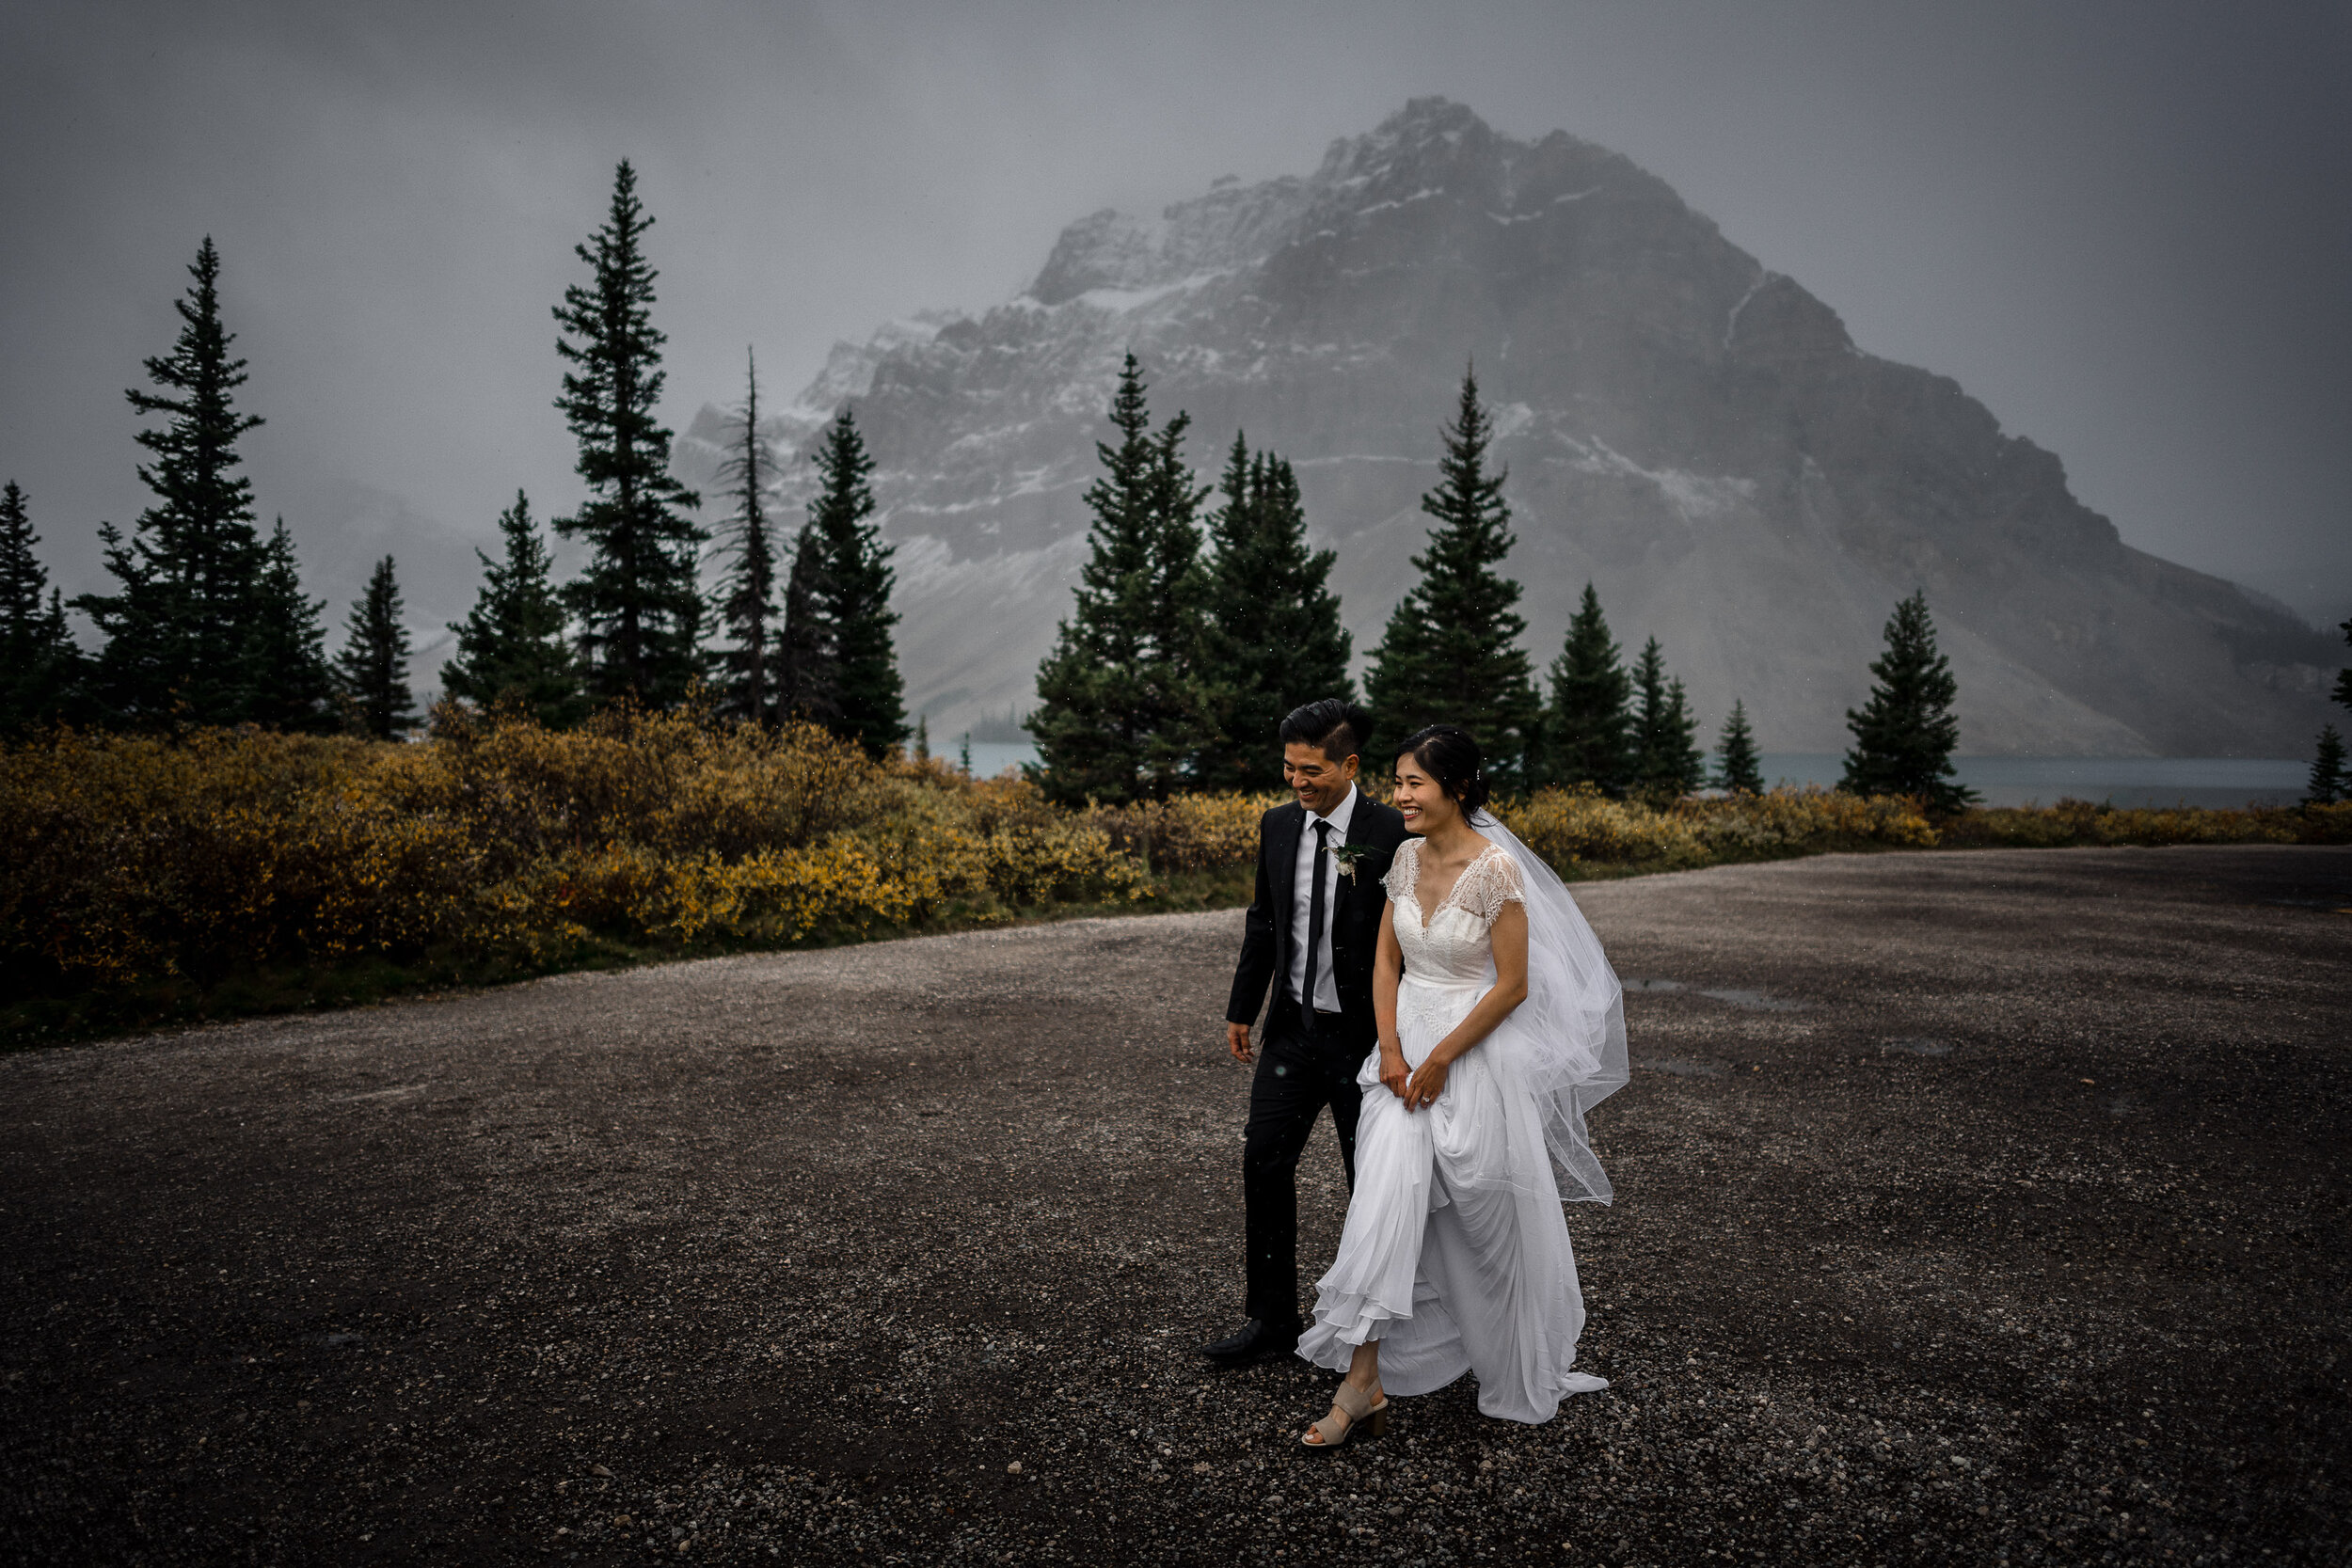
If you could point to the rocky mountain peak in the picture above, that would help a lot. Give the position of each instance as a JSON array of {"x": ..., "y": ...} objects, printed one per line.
[
  {"x": 1234, "y": 226},
  {"x": 1697, "y": 435},
  {"x": 1430, "y": 142}
]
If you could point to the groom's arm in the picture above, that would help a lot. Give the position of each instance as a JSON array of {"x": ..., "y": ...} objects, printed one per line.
[{"x": 1254, "y": 970}]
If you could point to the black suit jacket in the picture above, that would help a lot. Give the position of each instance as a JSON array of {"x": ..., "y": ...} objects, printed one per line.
[{"x": 1266, "y": 939}]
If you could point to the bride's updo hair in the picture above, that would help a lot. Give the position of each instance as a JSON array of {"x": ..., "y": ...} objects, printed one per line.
[{"x": 1448, "y": 754}]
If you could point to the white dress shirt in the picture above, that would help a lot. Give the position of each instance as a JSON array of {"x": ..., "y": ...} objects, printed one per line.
[{"x": 1302, "y": 894}]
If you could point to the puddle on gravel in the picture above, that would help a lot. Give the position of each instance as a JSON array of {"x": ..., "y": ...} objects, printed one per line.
[
  {"x": 1679, "y": 1068},
  {"x": 1919, "y": 1047},
  {"x": 1755, "y": 999}
]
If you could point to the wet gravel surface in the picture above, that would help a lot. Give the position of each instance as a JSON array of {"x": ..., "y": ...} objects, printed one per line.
[{"x": 1972, "y": 1208}]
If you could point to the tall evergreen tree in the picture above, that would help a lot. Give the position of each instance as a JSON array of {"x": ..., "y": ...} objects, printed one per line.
[
  {"x": 1275, "y": 641},
  {"x": 1904, "y": 735},
  {"x": 747, "y": 602},
  {"x": 1588, "y": 727},
  {"x": 1666, "y": 755},
  {"x": 289, "y": 685},
  {"x": 1737, "y": 765},
  {"x": 806, "y": 682},
  {"x": 2329, "y": 781},
  {"x": 38, "y": 661},
  {"x": 2344, "y": 678},
  {"x": 511, "y": 646},
  {"x": 175, "y": 626},
  {"x": 1451, "y": 652},
  {"x": 638, "y": 601},
  {"x": 372, "y": 671},
  {"x": 851, "y": 592},
  {"x": 1124, "y": 711}
]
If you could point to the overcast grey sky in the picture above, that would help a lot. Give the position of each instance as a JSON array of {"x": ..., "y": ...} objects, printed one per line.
[{"x": 2127, "y": 227}]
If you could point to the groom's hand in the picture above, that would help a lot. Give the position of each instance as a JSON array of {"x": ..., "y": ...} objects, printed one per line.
[{"x": 1237, "y": 1041}]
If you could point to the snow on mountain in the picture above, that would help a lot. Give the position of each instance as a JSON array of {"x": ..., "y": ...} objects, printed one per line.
[{"x": 1697, "y": 435}]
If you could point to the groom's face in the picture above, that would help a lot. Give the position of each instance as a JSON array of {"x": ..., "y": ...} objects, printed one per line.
[{"x": 1322, "y": 783}]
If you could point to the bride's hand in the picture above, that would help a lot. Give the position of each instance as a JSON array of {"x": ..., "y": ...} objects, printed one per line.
[
  {"x": 1427, "y": 1083},
  {"x": 1392, "y": 1071}
]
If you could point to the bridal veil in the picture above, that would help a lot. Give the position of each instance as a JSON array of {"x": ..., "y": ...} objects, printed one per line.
[{"x": 1565, "y": 1045}]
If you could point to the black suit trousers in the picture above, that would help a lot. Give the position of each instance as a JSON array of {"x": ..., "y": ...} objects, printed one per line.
[{"x": 1297, "y": 1076}]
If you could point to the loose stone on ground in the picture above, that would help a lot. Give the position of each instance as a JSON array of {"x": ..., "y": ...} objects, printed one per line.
[{"x": 1973, "y": 1207}]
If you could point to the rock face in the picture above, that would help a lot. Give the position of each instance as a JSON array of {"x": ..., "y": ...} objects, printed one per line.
[{"x": 1697, "y": 435}]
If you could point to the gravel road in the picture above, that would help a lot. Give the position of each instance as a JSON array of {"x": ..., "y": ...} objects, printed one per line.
[{"x": 1972, "y": 1208}]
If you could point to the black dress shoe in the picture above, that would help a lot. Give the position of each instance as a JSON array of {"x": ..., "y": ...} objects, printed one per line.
[{"x": 1257, "y": 1338}]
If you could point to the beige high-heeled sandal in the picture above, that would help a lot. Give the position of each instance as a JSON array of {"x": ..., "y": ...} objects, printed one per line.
[{"x": 1356, "y": 1406}]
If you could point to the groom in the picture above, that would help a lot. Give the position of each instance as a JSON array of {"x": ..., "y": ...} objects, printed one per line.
[{"x": 1311, "y": 932}]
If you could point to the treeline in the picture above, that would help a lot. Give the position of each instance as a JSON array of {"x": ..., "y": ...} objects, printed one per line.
[
  {"x": 1200, "y": 617},
  {"x": 207, "y": 625},
  {"x": 1198, "y": 626}
]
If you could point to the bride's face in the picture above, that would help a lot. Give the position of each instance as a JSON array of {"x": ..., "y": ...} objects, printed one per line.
[{"x": 1419, "y": 798}]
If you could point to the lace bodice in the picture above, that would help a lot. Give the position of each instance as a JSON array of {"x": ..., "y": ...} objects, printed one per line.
[{"x": 1453, "y": 946}]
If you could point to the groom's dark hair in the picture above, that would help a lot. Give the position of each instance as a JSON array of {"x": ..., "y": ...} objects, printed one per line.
[{"x": 1340, "y": 728}]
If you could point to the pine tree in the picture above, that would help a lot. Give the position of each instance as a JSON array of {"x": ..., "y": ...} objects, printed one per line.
[
  {"x": 1175, "y": 604},
  {"x": 1451, "y": 654},
  {"x": 922, "y": 738},
  {"x": 2329, "y": 782},
  {"x": 289, "y": 685},
  {"x": 1124, "y": 711},
  {"x": 2344, "y": 678},
  {"x": 747, "y": 604},
  {"x": 1737, "y": 765},
  {"x": 175, "y": 628},
  {"x": 851, "y": 594},
  {"x": 638, "y": 601},
  {"x": 1274, "y": 638},
  {"x": 1904, "y": 735},
  {"x": 1666, "y": 755},
  {"x": 370, "y": 674},
  {"x": 1587, "y": 729},
  {"x": 511, "y": 646},
  {"x": 39, "y": 661},
  {"x": 804, "y": 675}
]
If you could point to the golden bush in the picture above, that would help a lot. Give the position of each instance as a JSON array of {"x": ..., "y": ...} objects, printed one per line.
[
  {"x": 1580, "y": 825},
  {"x": 1189, "y": 833},
  {"x": 126, "y": 858},
  {"x": 2084, "y": 822}
]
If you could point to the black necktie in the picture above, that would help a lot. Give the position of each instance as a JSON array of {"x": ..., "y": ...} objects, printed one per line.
[{"x": 1314, "y": 929}]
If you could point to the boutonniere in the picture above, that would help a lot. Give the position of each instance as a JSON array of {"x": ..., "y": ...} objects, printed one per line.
[{"x": 1348, "y": 854}]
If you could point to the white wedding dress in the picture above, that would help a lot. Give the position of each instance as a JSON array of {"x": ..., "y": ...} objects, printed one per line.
[{"x": 1455, "y": 1253}]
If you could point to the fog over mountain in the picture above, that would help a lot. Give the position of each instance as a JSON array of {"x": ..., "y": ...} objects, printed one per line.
[{"x": 1696, "y": 435}]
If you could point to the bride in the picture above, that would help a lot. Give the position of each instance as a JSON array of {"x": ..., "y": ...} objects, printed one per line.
[{"x": 1501, "y": 1024}]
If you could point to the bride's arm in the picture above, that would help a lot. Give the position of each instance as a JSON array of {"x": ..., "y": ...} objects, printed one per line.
[
  {"x": 1509, "y": 936},
  {"x": 1387, "y": 963}
]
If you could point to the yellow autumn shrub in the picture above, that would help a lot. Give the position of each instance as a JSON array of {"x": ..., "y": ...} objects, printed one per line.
[
  {"x": 126, "y": 858},
  {"x": 1189, "y": 833},
  {"x": 1580, "y": 825},
  {"x": 2084, "y": 822}
]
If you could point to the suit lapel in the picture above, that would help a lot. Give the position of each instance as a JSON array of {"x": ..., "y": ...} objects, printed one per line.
[
  {"x": 1359, "y": 831},
  {"x": 1285, "y": 851}
]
